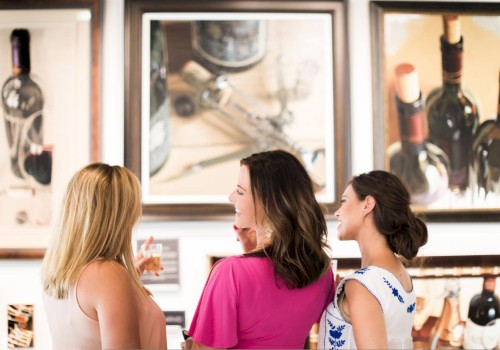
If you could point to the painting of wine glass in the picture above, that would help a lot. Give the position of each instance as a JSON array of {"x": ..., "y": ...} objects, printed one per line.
[{"x": 436, "y": 92}]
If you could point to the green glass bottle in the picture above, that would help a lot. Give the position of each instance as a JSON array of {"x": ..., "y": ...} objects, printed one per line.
[
  {"x": 22, "y": 101},
  {"x": 422, "y": 166},
  {"x": 159, "y": 113},
  {"x": 486, "y": 155},
  {"x": 452, "y": 116}
]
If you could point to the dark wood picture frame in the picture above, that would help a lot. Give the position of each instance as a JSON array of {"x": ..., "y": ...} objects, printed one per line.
[
  {"x": 134, "y": 11},
  {"x": 385, "y": 123},
  {"x": 94, "y": 7}
]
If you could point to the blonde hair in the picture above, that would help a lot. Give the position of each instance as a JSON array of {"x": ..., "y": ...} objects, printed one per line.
[{"x": 100, "y": 209}]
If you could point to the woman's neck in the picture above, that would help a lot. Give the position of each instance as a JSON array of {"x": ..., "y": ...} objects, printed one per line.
[{"x": 375, "y": 251}]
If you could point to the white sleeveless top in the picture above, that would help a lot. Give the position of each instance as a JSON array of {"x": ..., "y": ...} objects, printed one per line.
[
  {"x": 71, "y": 328},
  {"x": 397, "y": 304}
]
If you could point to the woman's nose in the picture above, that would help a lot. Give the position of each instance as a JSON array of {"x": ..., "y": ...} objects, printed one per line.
[{"x": 231, "y": 197}]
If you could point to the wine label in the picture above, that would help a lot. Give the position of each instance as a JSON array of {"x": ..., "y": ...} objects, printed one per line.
[{"x": 416, "y": 132}]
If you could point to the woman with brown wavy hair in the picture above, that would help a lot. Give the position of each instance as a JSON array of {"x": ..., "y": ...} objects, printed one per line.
[
  {"x": 271, "y": 296},
  {"x": 374, "y": 307}
]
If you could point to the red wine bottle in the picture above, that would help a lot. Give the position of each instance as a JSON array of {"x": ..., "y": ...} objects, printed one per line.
[
  {"x": 422, "y": 166},
  {"x": 486, "y": 153},
  {"x": 452, "y": 116},
  {"x": 483, "y": 309},
  {"x": 22, "y": 101}
]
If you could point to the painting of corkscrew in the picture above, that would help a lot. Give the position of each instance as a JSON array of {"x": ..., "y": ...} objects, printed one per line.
[{"x": 223, "y": 86}]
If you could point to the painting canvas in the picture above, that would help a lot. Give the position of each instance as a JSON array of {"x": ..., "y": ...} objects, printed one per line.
[
  {"x": 409, "y": 35},
  {"x": 20, "y": 326},
  {"x": 220, "y": 81},
  {"x": 36, "y": 166},
  {"x": 263, "y": 88}
]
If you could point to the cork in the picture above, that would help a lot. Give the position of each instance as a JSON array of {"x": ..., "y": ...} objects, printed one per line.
[
  {"x": 407, "y": 86},
  {"x": 195, "y": 74},
  {"x": 452, "y": 30}
]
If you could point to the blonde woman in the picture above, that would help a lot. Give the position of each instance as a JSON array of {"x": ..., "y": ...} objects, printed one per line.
[{"x": 93, "y": 296}]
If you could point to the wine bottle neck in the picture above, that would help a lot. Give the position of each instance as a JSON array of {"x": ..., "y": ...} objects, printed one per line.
[
  {"x": 21, "y": 63},
  {"x": 452, "y": 88},
  {"x": 489, "y": 285},
  {"x": 451, "y": 56},
  {"x": 411, "y": 121},
  {"x": 411, "y": 147}
]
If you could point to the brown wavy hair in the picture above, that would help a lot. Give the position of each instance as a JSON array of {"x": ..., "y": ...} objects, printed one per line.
[
  {"x": 404, "y": 231},
  {"x": 282, "y": 185}
]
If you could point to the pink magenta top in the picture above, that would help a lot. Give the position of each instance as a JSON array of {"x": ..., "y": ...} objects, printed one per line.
[{"x": 244, "y": 306}]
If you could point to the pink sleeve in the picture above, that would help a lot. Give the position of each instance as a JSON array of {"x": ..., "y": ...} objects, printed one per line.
[
  {"x": 215, "y": 320},
  {"x": 331, "y": 293}
]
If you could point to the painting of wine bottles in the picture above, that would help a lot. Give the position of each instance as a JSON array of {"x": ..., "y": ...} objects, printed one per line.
[
  {"x": 46, "y": 115},
  {"x": 437, "y": 84}
]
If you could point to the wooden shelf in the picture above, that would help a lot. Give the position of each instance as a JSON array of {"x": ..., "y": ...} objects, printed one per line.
[{"x": 438, "y": 266}]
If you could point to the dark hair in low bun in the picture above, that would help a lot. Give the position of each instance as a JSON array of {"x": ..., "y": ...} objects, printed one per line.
[{"x": 405, "y": 233}]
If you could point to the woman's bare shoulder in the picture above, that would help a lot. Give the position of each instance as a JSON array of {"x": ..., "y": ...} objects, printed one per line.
[{"x": 104, "y": 279}]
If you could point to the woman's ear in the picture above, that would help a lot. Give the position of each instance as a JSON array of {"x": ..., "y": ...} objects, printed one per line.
[{"x": 369, "y": 204}]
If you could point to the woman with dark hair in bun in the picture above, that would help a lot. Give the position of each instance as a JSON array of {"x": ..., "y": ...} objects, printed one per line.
[{"x": 374, "y": 307}]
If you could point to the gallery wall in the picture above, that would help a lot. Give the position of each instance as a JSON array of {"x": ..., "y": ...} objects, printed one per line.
[{"x": 201, "y": 240}]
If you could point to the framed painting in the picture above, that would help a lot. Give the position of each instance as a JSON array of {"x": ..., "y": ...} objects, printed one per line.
[
  {"x": 208, "y": 83},
  {"x": 50, "y": 66},
  {"x": 435, "y": 92}
]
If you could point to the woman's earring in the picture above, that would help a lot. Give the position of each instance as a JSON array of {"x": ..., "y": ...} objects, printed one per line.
[{"x": 268, "y": 233}]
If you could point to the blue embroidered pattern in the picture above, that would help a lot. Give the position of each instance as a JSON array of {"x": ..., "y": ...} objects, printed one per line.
[
  {"x": 395, "y": 291},
  {"x": 362, "y": 270},
  {"x": 411, "y": 308},
  {"x": 334, "y": 335}
]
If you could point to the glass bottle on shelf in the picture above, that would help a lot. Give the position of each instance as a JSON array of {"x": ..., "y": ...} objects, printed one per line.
[
  {"x": 449, "y": 329},
  {"x": 422, "y": 166},
  {"x": 22, "y": 102},
  {"x": 452, "y": 115},
  {"x": 486, "y": 155},
  {"x": 484, "y": 309},
  {"x": 159, "y": 114},
  {"x": 229, "y": 46}
]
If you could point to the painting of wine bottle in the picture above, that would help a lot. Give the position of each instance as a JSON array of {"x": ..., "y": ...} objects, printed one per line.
[
  {"x": 49, "y": 105},
  {"x": 30, "y": 160}
]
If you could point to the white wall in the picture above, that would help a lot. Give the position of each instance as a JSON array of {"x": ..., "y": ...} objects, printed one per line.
[{"x": 199, "y": 240}]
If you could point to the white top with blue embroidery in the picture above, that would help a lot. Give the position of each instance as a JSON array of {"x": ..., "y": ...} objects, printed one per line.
[{"x": 397, "y": 304}]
